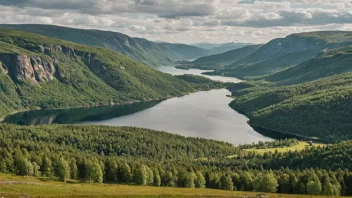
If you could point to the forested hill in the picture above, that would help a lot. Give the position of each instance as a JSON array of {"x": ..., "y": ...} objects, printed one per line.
[
  {"x": 42, "y": 72},
  {"x": 311, "y": 99},
  {"x": 141, "y": 50},
  {"x": 282, "y": 53},
  {"x": 327, "y": 63},
  {"x": 136, "y": 156},
  {"x": 227, "y": 58},
  {"x": 314, "y": 109}
]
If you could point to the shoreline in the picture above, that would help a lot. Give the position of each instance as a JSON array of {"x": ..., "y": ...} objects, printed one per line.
[
  {"x": 286, "y": 133},
  {"x": 104, "y": 105},
  {"x": 274, "y": 131}
]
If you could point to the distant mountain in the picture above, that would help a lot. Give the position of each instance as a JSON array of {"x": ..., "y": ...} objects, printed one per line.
[
  {"x": 142, "y": 50},
  {"x": 221, "y": 46},
  {"x": 228, "y": 47},
  {"x": 183, "y": 52},
  {"x": 229, "y": 57},
  {"x": 283, "y": 53},
  {"x": 207, "y": 45},
  {"x": 42, "y": 72},
  {"x": 328, "y": 63}
]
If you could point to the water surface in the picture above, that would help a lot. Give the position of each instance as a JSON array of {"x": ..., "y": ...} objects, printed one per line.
[
  {"x": 174, "y": 71},
  {"x": 203, "y": 114}
]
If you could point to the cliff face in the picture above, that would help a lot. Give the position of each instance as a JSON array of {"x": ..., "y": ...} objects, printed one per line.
[
  {"x": 32, "y": 68},
  {"x": 42, "y": 72}
]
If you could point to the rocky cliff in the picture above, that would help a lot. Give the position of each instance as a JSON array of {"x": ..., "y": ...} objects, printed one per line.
[{"x": 42, "y": 72}]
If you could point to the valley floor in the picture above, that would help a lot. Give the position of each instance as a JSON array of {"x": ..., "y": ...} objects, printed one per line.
[
  {"x": 17, "y": 186},
  {"x": 300, "y": 146}
]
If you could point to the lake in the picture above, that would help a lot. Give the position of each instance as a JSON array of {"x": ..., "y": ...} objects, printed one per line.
[
  {"x": 174, "y": 71},
  {"x": 203, "y": 114}
]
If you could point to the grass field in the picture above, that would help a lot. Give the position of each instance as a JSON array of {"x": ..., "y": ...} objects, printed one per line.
[
  {"x": 15, "y": 186},
  {"x": 300, "y": 146}
]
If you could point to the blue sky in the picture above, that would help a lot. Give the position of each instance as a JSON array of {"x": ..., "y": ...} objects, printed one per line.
[{"x": 187, "y": 21}]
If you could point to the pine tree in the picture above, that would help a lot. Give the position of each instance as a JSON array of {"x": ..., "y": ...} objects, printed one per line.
[
  {"x": 200, "y": 180},
  {"x": 140, "y": 175},
  {"x": 36, "y": 169},
  {"x": 314, "y": 187},
  {"x": 24, "y": 167},
  {"x": 168, "y": 179},
  {"x": 63, "y": 170},
  {"x": 266, "y": 183},
  {"x": 73, "y": 169},
  {"x": 189, "y": 180},
  {"x": 111, "y": 171},
  {"x": 226, "y": 182},
  {"x": 125, "y": 174},
  {"x": 46, "y": 167},
  {"x": 157, "y": 178},
  {"x": 284, "y": 184},
  {"x": 150, "y": 176},
  {"x": 94, "y": 173}
]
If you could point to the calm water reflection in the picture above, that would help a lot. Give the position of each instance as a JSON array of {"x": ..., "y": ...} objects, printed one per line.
[
  {"x": 203, "y": 114},
  {"x": 76, "y": 115}
]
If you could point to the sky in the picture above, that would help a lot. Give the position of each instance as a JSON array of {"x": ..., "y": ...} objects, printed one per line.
[{"x": 186, "y": 21}]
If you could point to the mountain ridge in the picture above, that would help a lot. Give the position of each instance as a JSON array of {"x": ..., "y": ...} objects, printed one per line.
[
  {"x": 282, "y": 53},
  {"x": 228, "y": 57},
  {"x": 140, "y": 49},
  {"x": 311, "y": 99},
  {"x": 43, "y": 72}
]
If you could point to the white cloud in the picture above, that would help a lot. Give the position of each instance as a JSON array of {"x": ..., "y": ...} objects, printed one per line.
[{"x": 184, "y": 20}]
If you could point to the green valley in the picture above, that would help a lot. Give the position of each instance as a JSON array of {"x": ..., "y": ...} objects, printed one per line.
[
  {"x": 219, "y": 61},
  {"x": 43, "y": 72},
  {"x": 176, "y": 98}
]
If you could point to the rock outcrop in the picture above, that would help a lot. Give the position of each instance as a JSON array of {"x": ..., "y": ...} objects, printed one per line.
[
  {"x": 44, "y": 70},
  {"x": 32, "y": 68}
]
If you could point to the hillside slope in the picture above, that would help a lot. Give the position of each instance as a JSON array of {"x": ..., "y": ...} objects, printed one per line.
[
  {"x": 183, "y": 52},
  {"x": 228, "y": 47},
  {"x": 283, "y": 53},
  {"x": 141, "y": 50},
  {"x": 229, "y": 57},
  {"x": 42, "y": 72},
  {"x": 332, "y": 62},
  {"x": 313, "y": 109}
]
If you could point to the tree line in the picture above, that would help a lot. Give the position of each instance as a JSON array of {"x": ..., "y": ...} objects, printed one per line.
[{"x": 69, "y": 152}]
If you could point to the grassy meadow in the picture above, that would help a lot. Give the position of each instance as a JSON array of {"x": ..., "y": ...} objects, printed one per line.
[
  {"x": 300, "y": 146},
  {"x": 18, "y": 186}
]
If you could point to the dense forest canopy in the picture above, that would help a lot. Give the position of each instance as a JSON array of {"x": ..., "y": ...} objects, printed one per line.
[{"x": 146, "y": 157}]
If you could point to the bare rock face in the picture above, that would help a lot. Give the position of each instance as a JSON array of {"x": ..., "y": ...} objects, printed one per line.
[
  {"x": 41, "y": 48},
  {"x": 3, "y": 68},
  {"x": 41, "y": 69},
  {"x": 44, "y": 70},
  {"x": 69, "y": 52},
  {"x": 23, "y": 69}
]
